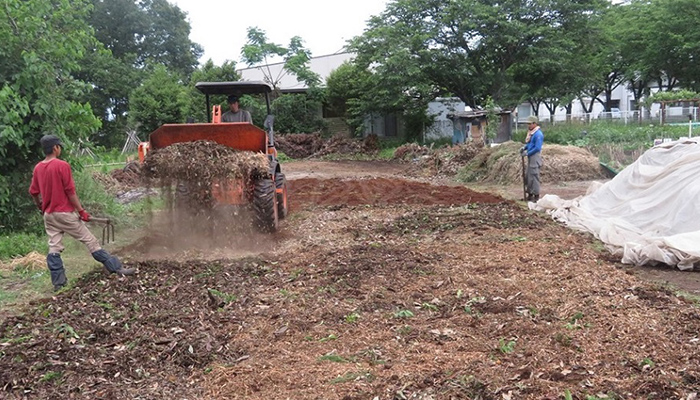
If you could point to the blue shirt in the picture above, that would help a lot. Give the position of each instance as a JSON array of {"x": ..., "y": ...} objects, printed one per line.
[{"x": 535, "y": 144}]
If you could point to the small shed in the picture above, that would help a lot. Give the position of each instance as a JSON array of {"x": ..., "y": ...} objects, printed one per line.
[{"x": 472, "y": 124}]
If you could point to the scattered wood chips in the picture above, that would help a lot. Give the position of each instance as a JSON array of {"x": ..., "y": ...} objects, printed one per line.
[{"x": 378, "y": 298}]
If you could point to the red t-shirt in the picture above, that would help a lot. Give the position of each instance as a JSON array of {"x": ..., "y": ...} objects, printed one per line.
[{"x": 53, "y": 180}]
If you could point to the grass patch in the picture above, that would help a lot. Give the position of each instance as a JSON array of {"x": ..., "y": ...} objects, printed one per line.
[{"x": 20, "y": 244}]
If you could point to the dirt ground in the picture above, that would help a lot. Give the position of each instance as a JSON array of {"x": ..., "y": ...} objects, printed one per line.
[{"x": 376, "y": 287}]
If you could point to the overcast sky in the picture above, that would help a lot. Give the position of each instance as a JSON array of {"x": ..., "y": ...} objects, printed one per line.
[{"x": 220, "y": 25}]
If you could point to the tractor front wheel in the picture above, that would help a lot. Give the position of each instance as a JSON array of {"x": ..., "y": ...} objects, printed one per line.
[
  {"x": 265, "y": 205},
  {"x": 281, "y": 186}
]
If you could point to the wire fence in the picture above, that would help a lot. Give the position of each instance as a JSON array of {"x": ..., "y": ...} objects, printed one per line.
[{"x": 670, "y": 115}]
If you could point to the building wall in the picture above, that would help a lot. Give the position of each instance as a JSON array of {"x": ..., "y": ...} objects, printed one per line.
[{"x": 443, "y": 127}]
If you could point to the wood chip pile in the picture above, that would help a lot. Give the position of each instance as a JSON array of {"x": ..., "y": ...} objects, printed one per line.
[
  {"x": 306, "y": 145},
  {"x": 195, "y": 166},
  {"x": 130, "y": 175},
  {"x": 108, "y": 181},
  {"x": 204, "y": 161},
  {"x": 341, "y": 145},
  {"x": 410, "y": 152},
  {"x": 299, "y": 145}
]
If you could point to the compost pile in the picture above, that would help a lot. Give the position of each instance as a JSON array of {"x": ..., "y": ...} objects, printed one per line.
[
  {"x": 128, "y": 177},
  {"x": 341, "y": 145},
  {"x": 108, "y": 182},
  {"x": 195, "y": 166},
  {"x": 501, "y": 164},
  {"x": 410, "y": 152},
  {"x": 299, "y": 145}
]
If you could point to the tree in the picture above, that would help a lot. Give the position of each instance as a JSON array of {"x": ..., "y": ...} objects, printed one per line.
[
  {"x": 133, "y": 35},
  {"x": 161, "y": 99},
  {"x": 258, "y": 50},
  {"x": 208, "y": 72},
  {"x": 346, "y": 88},
  {"x": 298, "y": 113},
  {"x": 43, "y": 43},
  {"x": 469, "y": 48},
  {"x": 662, "y": 43}
]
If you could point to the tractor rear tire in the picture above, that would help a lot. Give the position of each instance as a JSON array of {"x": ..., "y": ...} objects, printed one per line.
[
  {"x": 265, "y": 205},
  {"x": 281, "y": 183}
]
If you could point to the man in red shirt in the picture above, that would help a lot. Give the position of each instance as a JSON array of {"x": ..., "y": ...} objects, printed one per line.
[{"x": 53, "y": 191}]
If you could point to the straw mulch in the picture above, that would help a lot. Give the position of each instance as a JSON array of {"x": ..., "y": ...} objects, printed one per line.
[
  {"x": 32, "y": 261},
  {"x": 501, "y": 164}
]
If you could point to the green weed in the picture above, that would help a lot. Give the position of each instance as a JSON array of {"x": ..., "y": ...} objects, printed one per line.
[
  {"x": 429, "y": 306},
  {"x": 563, "y": 339},
  {"x": 332, "y": 358},
  {"x": 106, "y": 306},
  {"x": 66, "y": 331},
  {"x": 403, "y": 314},
  {"x": 21, "y": 244},
  {"x": 352, "y": 318},
  {"x": 51, "y": 376},
  {"x": 405, "y": 330},
  {"x": 575, "y": 321},
  {"x": 225, "y": 297},
  {"x": 328, "y": 338},
  {"x": 506, "y": 347}
]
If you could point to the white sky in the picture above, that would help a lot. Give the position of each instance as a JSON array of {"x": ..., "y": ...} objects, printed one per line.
[{"x": 220, "y": 26}]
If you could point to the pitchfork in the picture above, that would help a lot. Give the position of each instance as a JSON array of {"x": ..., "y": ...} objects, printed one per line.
[{"x": 107, "y": 229}]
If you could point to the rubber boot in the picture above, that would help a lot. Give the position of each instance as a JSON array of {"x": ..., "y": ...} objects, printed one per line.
[
  {"x": 58, "y": 273},
  {"x": 111, "y": 263}
]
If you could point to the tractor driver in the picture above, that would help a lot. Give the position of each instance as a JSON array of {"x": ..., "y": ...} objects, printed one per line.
[{"x": 235, "y": 114}]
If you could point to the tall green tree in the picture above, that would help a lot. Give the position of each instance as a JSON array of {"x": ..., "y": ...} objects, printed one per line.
[
  {"x": 663, "y": 42},
  {"x": 43, "y": 45},
  {"x": 258, "y": 50},
  {"x": 208, "y": 72},
  {"x": 161, "y": 99},
  {"x": 346, "y": 87},
  {"x": 469, "y": 48},
  {"x": 133, "y": 35},
  {"x": 299, "y": 112}
]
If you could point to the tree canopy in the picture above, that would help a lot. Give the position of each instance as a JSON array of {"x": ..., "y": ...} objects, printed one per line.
[
  {"x": 469, "y": 48},
  {"x": 43, "y": 44},
  {"x": 133, "y": 36},
  {"x": 258, "y": 50}
]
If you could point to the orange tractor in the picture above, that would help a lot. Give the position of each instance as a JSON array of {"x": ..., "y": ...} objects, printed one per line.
[{"x": 267, "y": 196}]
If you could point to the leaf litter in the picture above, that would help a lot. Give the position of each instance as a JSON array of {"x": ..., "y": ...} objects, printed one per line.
[{"x": 452, "y": 298}]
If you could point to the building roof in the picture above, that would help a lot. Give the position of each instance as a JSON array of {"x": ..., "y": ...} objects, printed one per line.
[{"x": 322, "y": 65}]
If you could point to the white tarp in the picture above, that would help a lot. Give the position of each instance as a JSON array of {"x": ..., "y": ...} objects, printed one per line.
[{"x": 649, "y": 213}]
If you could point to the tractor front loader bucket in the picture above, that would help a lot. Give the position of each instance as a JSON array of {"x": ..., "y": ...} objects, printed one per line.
[{"x": 237, "y": 135}]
